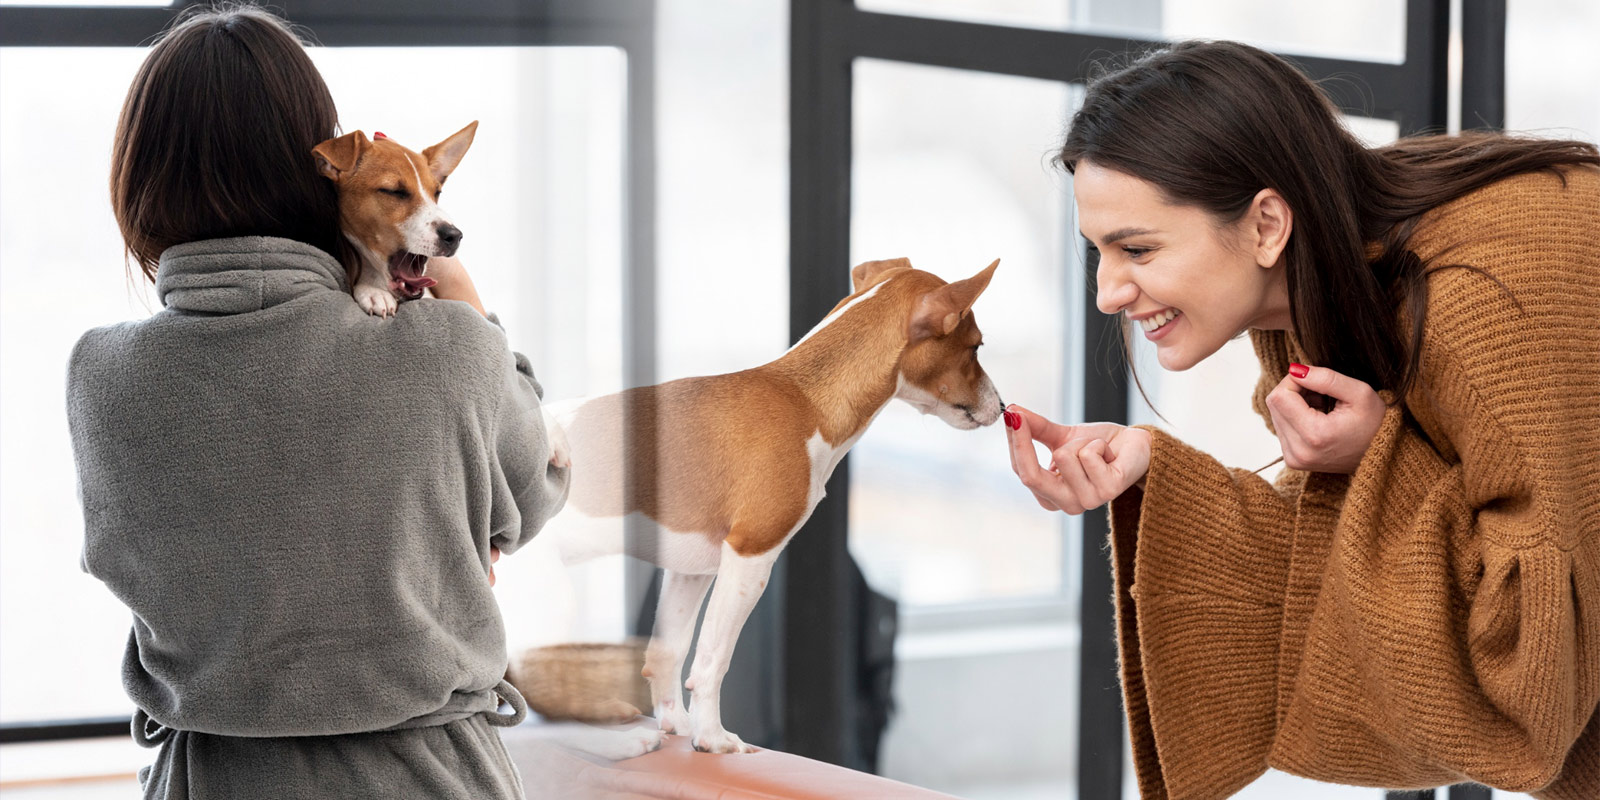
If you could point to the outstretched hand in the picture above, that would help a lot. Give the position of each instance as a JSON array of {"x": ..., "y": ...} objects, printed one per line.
[
  {"x": 1091, "y": 464},
  {"x": 1324, "y": 442}
]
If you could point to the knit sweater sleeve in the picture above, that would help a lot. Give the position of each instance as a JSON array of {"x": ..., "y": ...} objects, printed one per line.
[{"x": 1200, "y": 561}]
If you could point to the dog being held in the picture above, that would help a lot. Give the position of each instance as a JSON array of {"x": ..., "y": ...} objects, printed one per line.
[
  {"x": 730, "y": 466},
  {"x": 389, "y": 210}
]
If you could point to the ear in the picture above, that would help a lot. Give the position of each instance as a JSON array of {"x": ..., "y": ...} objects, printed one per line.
[
  {"x": 865, "y": 273},
  {"x": 336, "y": 158},
  {"x": 939, "y": 312},
  {"x": 1271, "y": 222},
  {"x": 443, "y": 157}
]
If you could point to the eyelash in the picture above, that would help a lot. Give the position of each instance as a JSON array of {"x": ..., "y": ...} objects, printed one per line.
[{"x": 1135, "y": 252}]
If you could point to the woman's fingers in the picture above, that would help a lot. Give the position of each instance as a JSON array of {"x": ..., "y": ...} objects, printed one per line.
[
  {"x": 1052, "y": 434},
  {"x": 1103, "y": 475},
  {"x": 1072, "y": 472},
  {"x": 1333, "y": 384},
  {"x": 1025, "y": 462}
]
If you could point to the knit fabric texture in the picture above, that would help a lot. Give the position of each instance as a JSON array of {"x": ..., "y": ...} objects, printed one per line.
[
  {"x": 1431, "y": 619},
  {"x": 297, "y": 500}
]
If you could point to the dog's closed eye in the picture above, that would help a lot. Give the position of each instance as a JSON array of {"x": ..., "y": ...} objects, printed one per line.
[{"x": 398, "y": 191}]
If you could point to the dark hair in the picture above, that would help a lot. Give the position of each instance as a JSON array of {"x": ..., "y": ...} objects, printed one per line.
[
  {"x": 215, "y": 139},
  {"x": 1213, "y": 123}
]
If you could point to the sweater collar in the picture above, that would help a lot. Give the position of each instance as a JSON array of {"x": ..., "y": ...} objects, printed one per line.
[{"x": 249, "y": 273}]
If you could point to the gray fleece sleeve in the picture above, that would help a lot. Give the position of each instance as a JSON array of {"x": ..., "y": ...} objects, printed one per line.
[{"x": 528, "y": 489}]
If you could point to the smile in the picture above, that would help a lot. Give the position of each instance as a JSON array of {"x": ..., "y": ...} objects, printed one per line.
[{"x": 1159, "y": 321}]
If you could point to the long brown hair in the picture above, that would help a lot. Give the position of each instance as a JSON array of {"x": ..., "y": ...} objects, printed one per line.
[
  {"x": 215, "y": 139},
  {"x": 1213, "y": 123}
]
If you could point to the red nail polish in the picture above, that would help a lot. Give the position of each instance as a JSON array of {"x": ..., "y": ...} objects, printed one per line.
[
  {"x": 1299, "y": 370},
  {"x": 1014, "y": 420}
]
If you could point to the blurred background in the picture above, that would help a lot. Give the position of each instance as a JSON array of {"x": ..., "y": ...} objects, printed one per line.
[{"x": 628, "y": 207}]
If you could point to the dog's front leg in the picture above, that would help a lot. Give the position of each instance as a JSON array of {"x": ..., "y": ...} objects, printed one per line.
[
  {"x": 740, "y": 581},
  {"x": 676, "y": 611}
]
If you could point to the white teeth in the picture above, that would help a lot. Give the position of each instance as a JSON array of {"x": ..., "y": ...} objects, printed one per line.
[{"x": 1159, "y": 320}]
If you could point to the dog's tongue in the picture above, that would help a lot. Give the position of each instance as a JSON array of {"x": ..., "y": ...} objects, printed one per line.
[{"x": 405, "y": 271}]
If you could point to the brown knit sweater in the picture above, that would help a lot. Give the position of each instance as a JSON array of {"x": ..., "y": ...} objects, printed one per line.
[{"x": 1431, "y": 619}]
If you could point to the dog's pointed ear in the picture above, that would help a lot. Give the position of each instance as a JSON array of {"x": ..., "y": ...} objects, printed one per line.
[
  {"x": 338, "y": 156},
  {"x": 443, "y": 157},
  {"x": 939, "y": 312},
  {"x": 865, "y": 273}
]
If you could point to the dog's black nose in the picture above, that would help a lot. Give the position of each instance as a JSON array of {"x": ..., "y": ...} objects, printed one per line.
[{"x": 449, "y": 238}]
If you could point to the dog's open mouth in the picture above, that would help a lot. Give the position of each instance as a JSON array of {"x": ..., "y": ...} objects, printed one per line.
[{"x": 405, "y": 274}]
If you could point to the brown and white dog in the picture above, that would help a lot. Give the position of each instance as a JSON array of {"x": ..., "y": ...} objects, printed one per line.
[
  {"x": 389, "y": 210},
  {"x": 730, "y": 466}
]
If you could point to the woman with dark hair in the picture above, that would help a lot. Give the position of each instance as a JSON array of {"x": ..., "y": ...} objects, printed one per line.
[
  {"x": 1416, "y": 601},
  {"x": 299, "y": 502}
]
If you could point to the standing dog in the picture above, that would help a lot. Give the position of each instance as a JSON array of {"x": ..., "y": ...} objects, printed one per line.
[
  {"x": 389, "y": 210},
  {"x": 730, "y": 466}
]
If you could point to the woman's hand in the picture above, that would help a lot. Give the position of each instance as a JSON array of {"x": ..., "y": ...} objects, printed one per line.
[
  {"x": 453, "y": 282},
  {"x": 1090, "y": 466},
  {"x": 1324, "y": 442},
  {"x": 494, "y": 555}
]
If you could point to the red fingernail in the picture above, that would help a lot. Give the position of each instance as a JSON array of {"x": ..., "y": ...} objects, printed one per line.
[
  {"x": 1299, "y": 370},
  {"x": 1016, "y": 421}
]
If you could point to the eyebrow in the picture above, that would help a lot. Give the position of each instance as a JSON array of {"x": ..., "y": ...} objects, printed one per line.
[{"x": 1120, "y": 234}]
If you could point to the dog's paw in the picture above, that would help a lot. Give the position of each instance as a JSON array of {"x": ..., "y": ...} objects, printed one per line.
[
  {"x": 375, "y": 301},
  {"x": 560, "y": 450},
  {"x": 720, "y": 741},
  {"x": 631, "y": 743},
  {"x": 671, "y": 717}
]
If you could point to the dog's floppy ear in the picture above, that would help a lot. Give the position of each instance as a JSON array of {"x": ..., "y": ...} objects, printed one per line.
[
  {"x": 337, "y": 157},
  {"x": 865, "y": 273},
  {"x": 443, "y": 157},
  {"x": 939, "y": 312}
]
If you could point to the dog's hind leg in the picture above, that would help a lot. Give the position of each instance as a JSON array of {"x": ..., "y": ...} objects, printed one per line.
[{"x": 676, "y": 611}]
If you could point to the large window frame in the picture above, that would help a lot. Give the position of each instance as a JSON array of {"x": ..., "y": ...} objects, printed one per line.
[{"x": 827, "y": 36}]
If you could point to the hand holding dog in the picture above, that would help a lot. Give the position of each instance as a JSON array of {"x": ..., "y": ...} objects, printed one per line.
[
  {"x": 1324, "y": 442},
  {"x": 1091, "y": 464}
]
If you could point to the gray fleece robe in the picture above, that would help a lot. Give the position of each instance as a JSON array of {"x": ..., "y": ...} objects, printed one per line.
[{"x": 297, "y": 499}]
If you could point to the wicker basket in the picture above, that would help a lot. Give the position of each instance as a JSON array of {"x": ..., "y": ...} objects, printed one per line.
[{"x": 583, "y": 681}]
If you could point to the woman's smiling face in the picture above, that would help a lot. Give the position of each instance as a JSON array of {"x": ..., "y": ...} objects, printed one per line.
[{"x": 1189, "y": 282}]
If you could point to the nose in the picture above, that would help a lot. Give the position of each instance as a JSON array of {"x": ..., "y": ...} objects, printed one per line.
[
  {"x": 1113, "y": 292},
  {"x": 449, "y": 238}
]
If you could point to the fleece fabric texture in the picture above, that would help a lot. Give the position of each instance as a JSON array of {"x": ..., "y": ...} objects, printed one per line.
[
  {"x": 1433, "y": 618},
  {"x": 297, "y": 500}
]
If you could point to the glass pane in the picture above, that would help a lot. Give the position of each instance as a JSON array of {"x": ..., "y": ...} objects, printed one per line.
[
  {"x": 952, "y": 170},
  {"x": 539, "y": 197},
  {"x": 1363, "y": 29},
  {"x": 1551, "y": 64}
]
